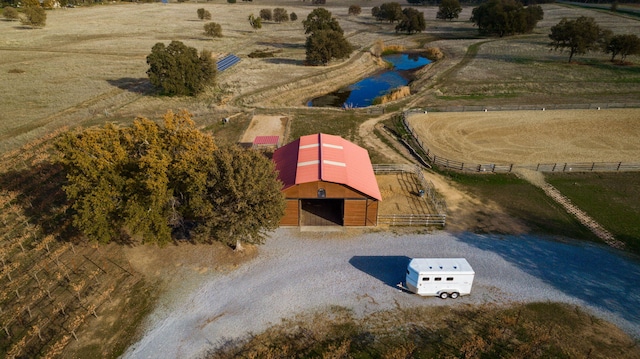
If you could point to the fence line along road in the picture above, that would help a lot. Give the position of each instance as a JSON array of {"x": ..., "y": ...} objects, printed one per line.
[
  {"x": 505, "y": 168},
  {"x": 430, "y": 196}
]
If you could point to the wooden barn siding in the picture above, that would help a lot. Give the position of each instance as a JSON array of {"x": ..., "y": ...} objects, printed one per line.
[
  {"x": 291, "y": 213},
  {"x": 332, "y": 190},
  {"x": 372, "y": 212},
  {"x": 355, "y": 212}
]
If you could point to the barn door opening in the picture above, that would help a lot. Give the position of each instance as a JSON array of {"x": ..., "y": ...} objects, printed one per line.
[{"x": 321, "y": 212}]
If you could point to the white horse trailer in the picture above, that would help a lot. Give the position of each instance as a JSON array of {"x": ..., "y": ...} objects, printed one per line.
[{"x": 440, "y": 277}]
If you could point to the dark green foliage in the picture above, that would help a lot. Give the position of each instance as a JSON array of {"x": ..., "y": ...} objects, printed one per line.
[
  {"x": 505, "y": 17},
  {"x": 266, "y": 14},
  {"x": 624, "y": 45},
  {"x": 204, "y": 14},
  {"x": 320, "y": 19},
  {"x": 412, "y": 21},
  {"x": 578, "y": 36},
  {"x": 155, "y": 182},
  {"x": 391, "y": 12},
  {"x": 178, "y": 70},
  {"x": 280, "y": 15},
  {"x": 213, "y": 29},
  {"x": 10, "y": 13},
  {"x": 324, "y": 45},
  {"x": 293, "y": 16},
  {"x": 355, "y": 10},
  {"x": 232, "y": 1},
  {"x": 255, "y": 22},
  {"x": 449, "y": 10}
]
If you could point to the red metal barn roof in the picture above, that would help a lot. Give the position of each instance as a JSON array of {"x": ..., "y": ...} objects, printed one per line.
[
  {"x": 322, "y": 157},
  {"x": 266, "y": 141}
]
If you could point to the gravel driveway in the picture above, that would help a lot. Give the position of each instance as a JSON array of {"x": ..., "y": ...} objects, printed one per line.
[{"x": 297, "y": 272}]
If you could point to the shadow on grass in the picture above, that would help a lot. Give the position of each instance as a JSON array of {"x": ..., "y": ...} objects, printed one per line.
[
  {"x": 388, "y": 269},
  {"x": 135, "y": 85},
  {"x": 601, "y": 277}
]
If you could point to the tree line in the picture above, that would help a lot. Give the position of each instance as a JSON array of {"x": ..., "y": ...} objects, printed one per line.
[{"x": 155, "y": 182}]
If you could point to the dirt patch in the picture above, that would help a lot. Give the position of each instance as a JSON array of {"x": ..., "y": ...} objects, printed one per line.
[
  {"x": 263, "y": 125},
  {"x": 530, "y": 137},
  {"x": 400, "y": 195}
]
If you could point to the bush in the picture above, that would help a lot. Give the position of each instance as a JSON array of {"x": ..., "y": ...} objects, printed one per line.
[
  {"x": 280, "y": 15},
  {"x": 213, "y": 29},
  {"x": 433, "y": 53},
  {"x": 10, "y": 13},
  {"x": 34, "y": 16},
  {"x": 178, "y": 70},
  {"x": 232, "y": 1},
  {"x": 293, "y": 16},
  {"x": 355, "y": 10},
  {"x": 266, "y": 15},
  {"x": 204, "y": 14}
]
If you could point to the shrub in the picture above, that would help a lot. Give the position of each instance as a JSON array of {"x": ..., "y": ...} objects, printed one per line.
[
  {"x": 266, "y": 15},
  {"x": 34, "y": 16},
  {"x": 433, "y": 53},
  {"x": 213, "y": 29},
  {"x": 355, "y": 10},
  {"x": 280, "y": 15},
  {"x": 204, "y": 14},
  {"x": 293, "y": 16},
  {"x": 10, "y": 13}
]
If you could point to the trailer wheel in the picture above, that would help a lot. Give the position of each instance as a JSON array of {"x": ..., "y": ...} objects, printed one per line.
[
  {"x": 455, "y": 295},
  {"x": 444, "y": 295}
]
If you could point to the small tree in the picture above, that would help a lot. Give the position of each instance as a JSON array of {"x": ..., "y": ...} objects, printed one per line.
[
  {"x": 320, "y": 19},
  {"x": 10, "y": 13},
  {"x": 266, "y": 14},
  {"x": 391, "y": 12},
  {"x": 628, "y": 44},
  {"x": 213, "y": 29},
  {"x": 280, "y": 15},
  {"x": 34, "y": 15},
  {"x": 449, "y": 10},
  {"x": 293, "y": 16},
  {"x": 178, "y": 70},
  {"x": 412, "y": 21},
  {"x": 505, "y": 17},
  {"x": 324, "y": 45},
  {"x": 204, "y": 14},
  {"x": 255, "y": 22},
  {"x": 578, "y": 36},
  {"x": 355, "y": 10}
]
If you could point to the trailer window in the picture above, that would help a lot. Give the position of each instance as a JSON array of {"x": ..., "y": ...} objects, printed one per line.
[
  {"x": 449, "y": 279},
  {"x": 425, "y": 279},
  {"x": 437, "y": 279}
]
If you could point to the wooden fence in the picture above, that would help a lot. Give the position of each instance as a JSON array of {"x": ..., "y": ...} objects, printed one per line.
[
  {"x": 430, "y": 196},
  {"x": 505, "y": 168}
]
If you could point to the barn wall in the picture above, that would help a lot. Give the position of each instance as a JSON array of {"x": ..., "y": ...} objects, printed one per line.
[
  {"x": 372, "y": 212},
  {"x": 332, "y": 190},
  {"x": 291, "y": 213},
  {"x": 355, "y": 212}
]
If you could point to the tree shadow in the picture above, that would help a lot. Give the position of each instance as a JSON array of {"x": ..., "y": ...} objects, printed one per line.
[
  {"x": 281, "y": 61},
  {"x": 281, "y": 45},
  {"x": 135, "y": 85},
  {"x": 388, "y": 269}
]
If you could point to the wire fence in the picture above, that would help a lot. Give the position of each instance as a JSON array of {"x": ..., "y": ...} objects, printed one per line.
[
  {"x": 448, "y": 163},
  {"x": 428, "y": 192}
]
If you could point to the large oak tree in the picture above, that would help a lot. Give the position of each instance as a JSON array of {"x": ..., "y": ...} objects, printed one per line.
[
  {"x": 578, "y": 36},
  {"x": 154, "y": 182}
]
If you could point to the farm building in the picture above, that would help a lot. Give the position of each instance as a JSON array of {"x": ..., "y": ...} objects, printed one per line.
[{"x": 327, "y": 181}]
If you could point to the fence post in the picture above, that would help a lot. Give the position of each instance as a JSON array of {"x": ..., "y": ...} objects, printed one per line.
[
  {"x": 619, "y": 163},
  {"x": 554, "y": 167},
  {"x": 565, "y": 167},
  {"x": 511, "y": 168},
  {"x": 593, "y": 164}
]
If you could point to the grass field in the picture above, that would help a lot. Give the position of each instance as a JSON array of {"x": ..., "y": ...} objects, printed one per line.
[{"x": 87, "y": 67}]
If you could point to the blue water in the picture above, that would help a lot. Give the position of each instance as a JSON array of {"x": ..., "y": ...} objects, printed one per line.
[{"x": 363, "y": 92}]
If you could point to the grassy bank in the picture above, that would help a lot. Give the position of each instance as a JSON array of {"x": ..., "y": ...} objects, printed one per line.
[{"x": 536, "y": 330}]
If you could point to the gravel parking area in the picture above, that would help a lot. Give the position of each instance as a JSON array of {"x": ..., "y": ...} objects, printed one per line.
[{"x": 298, "y": 272}]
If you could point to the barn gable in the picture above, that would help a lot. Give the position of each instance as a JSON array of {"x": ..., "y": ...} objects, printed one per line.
[{"x": 327, "y": 180}]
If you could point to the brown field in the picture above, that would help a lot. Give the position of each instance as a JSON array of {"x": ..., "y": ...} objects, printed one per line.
[
  {"x": 530, "y": 137},
  {"x": 400, "y": 195}
]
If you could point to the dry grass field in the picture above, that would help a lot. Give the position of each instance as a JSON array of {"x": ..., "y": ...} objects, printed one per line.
[{"x": 530, "y": 137}]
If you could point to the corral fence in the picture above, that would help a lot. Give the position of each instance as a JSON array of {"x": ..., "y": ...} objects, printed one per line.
[
  {"x": 429, "y": 194},
  {"x": 447, "y": 163}
]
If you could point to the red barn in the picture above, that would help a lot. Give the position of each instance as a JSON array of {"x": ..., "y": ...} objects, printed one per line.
[{"x": 327, "y": 181}]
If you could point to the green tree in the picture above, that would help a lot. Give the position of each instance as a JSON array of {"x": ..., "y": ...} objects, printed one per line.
[
  {"x": 326, "y": 39},
  {"x": 624, "y": 45},
  {"x": 355, "y": 10},
  {"x": 10, "y": 13},
  {"x": 412, "y": 21},
  {"x": 178, "y": 70},
  {"x": 204, "y": 14},
  {"x": 577, "y": 36},
  {"x": 391, "y": 12},
  {"x": 320, "y": 19},
  {"x": 449, "y": 10},
  {"x": 266, "y": 14},
  {"x": 255, "y": 22},
  {"x": 505, "y": 17},
  {"x": 293, "y": 16},
  {"x": 152, "y": 181},
  {"x": 246, "y": 195},
  {"x": 280, "y": 15},
  {"x": 324, "y": 45},
  {"x": 213, "y": 29}
]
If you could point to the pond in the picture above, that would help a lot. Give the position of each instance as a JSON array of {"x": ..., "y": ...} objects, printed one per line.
[{"x": 363, "y": 92}]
